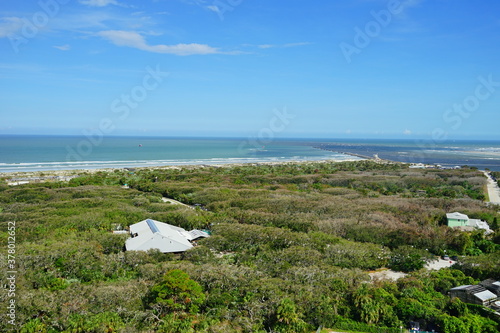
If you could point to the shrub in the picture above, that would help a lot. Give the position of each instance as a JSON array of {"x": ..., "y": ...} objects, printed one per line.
[
  {"x": 176, "y": 293},
  {"x": 407, "y": 259}
]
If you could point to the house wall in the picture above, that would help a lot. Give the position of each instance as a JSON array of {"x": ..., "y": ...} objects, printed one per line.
[
  {"x": 466, "y": 297},
  {"x": 457, "y": 222}
]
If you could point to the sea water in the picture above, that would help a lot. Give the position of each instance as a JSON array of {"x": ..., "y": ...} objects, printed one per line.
[
  {"x": 20, "y": 153},
  {"x": 40, "y": 153},
  {"x": 481, "y": 154}
]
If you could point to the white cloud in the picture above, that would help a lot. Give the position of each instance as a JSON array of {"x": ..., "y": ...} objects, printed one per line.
[
  {"x": 296, "y": 44},
  {"x": 268, "y": 46},
  {"x": 213, "y": 8},
  {"x": 10, "y": 25},
  {"x": 135, "y": 40},
  {"x": 407, "y": 132},
  {"x": 65, "y": 47},
  {"x": 99, "y": 3},
  {"x": 90, "y": 21}
]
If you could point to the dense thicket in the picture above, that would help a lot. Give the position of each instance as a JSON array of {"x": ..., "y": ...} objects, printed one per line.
[{"x": 291, "y": 249}]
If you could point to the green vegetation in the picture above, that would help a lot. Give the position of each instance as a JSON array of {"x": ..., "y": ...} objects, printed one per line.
[
  {"x": 496, "y": 174},
  {"x": 291, "y": 249}
]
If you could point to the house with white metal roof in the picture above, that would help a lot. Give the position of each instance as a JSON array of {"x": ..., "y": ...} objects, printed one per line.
[
  {"x": 457, "y": 219},
  {"x": 462, "y": 221},
  {"x": 151, "y": 234},
  {"x": 473, "y": 294}
]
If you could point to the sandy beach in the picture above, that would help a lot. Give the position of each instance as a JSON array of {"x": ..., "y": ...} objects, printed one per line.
[{"x": 19, "y": 178}]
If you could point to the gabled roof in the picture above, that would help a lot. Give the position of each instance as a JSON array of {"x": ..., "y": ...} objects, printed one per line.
[
  {"x": 457, "y": 215},
  {"x": 151, "y": 234}
]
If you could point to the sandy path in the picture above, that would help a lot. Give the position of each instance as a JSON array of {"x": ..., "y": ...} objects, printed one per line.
[
  {"x": 493, "y": 190},
  {"x": 175, "y": 202},
  {"x": 388, "y": 274},
  {"x": 438, "y": 264}
]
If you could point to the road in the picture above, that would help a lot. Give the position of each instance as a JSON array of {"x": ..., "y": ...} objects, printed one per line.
[{"x": 493, "y": 190}]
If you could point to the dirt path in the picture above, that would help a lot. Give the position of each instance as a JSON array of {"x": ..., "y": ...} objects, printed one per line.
[
  {"x": 388, "y": 274},
  {"x": 175, "y": 202},
  {"x": 438, "y": 264},
  {"x": 493, "y": 190}
]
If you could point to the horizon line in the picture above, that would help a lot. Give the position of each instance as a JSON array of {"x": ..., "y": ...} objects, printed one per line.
[{"x": 249, "y": 137}]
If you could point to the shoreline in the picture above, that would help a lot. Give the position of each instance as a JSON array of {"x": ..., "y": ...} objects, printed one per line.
[
  {"x": 51, "y": 166},
  {"x": 22, "y": 177},
  {"x": 486, "y": 156}
]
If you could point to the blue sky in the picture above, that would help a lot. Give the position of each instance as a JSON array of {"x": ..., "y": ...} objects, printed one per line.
[{"x": 328, "y": 69}]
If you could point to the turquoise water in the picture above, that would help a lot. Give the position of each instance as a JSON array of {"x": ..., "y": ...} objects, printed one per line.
[{"x": 37, "y": 153}]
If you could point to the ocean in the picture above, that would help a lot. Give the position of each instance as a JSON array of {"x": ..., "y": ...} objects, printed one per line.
[
  {"x": 43, "y": 153},
  {"x": 480, "y": 154},
  {"x": 23, "y": 153}
]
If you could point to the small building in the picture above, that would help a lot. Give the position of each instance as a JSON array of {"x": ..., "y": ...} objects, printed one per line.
[
  {"x": 457, "y": 219},
  {"x": 462, "y": 221},
  {"x": 473, "y": 294},
  {"x": 151, "y": 234},
  {"x": 492, "y": 285}
]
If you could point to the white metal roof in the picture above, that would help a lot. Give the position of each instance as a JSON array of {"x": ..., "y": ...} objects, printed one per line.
[
  {"x": 478, "y": 291},
  {"x": 457, "y": 215},
  {"x": 485, "y": 295},
  {"x": 151, "y": 234}
]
